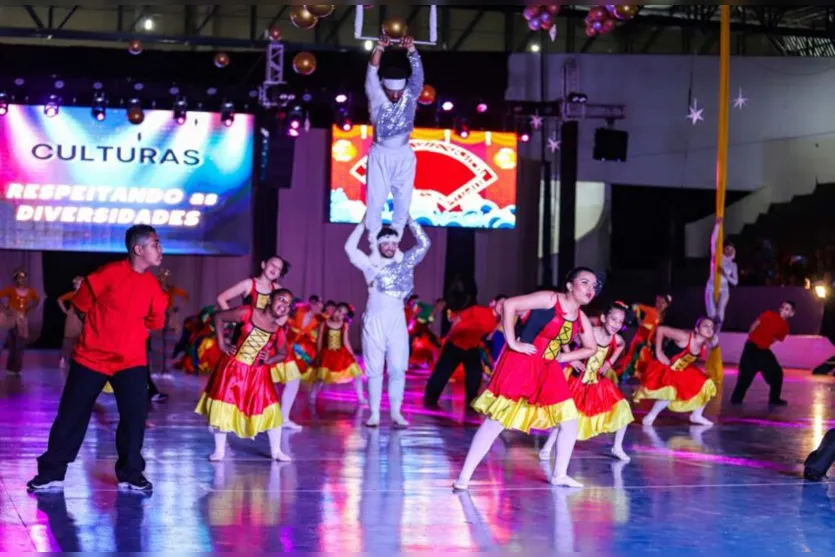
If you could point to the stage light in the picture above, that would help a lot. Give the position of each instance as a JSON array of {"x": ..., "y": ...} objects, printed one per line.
[
  {"x": 341, "y": 98},
  {"x": 534, "y": 47},
  {"x": 180, "y": 110},
  {"x": 295, "y": 120},
  {"x": 481, "y": 107},
  {"x": 577, "y": 98},
  {"x": 524, "y": 137},
  {"x": 524, "y": 131},
  {"x": 821, "y": 291},
  {"x": 343, "y": 119},
  {"x": 99, "y": 109},
  {"x": 227, "y": 114},
  {"x": 4, "y": 104},
  {"x": 447, "y": 106},
  {"x": 148, "y": 24},
  {"x": 50, "y": 109},
  {"x": 462, "y": 128},
  {"x": 369, "y": 46}
]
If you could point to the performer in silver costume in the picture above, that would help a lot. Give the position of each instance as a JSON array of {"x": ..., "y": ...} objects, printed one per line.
[
  {"x": 391, "y": 161},
  {"x": 389, "y": 274}
]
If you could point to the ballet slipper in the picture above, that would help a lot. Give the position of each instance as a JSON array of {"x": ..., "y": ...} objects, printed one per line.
[
  {"x": 217, "y": 456},
  {"x": 619, "y": 454},
  {"x": 565, "y": 481},
  {"x": 399, "y": 422},
  {"x": 700, "y": 420},
  {"x": 281, "y": 456},
  {"x": 373, "y": 421},
  {"x": 291, "y": 425}
]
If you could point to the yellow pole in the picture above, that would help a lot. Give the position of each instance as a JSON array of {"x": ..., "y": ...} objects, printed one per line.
[{"x": 714, "y": 361}]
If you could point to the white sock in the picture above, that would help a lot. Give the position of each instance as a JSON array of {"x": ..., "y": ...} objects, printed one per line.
[
  {"x": 656, "y": 409},
  {"x": 548, "y": 447},
  {"x": 617, "y": 449},
  {"x": 288, "y": 397},
  {"x": 358, "y": 387},
  {"x": 482, "y": 441},
  {"x": 276, "y": 453},
  {"x": 375, "y": 398},
  {"x": 397, "y": 384},
  {"x": 220, "y": 447},
  {"x": 566, "y": 438}
]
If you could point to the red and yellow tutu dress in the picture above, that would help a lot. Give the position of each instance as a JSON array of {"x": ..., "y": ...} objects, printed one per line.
[
  {"x": 302, "y": 349},
  {"x": 683, "y": 384},
  {"x": 639, "y": 353},
  {"x": 336, "y": 363},
  {"x": 602, "y": 407},
  {"x": 240, "y": 396},
  {"x": 424, "y": 346},
  {"x": 531, "y": 392}
]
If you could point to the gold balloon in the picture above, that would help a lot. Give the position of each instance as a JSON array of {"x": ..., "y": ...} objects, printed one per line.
[
  {"x": 321, "y": 10},
  {"x": 395, "y": 27},
  {"x": 304, "y": 63},
  {"x": 302, "y": 18},
  {"x": 275, "y": 34},
  {"x": 136, "y": 115},
  {"x": 135, "y": 47},
  {"x": 427, "y": 95},
  {"x": 626, "y": 11},
  {"x": 222, "y": 59}
]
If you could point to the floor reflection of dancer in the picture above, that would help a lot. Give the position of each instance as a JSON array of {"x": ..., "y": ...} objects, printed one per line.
[
  {"x": 602, "y": 407},
  {"x": 757, "y": 357},
  {"x": 729, "y": 277},
  {"x": 240, "y": 397},
  {"x": 463, "y": 345},
  {"x": 72, "y": 323},
  {"x": 641, "y": 347},
  {"x": 19, "y": 301},
  {"x": 528, "y": 389},
  {"x": 335, "y": 360},
  {"x": 392, "y": 104},
  {"x": 389, "y": 274},
  {"x": 120, "y": 303},
  {"x": 671, "y": 379}
]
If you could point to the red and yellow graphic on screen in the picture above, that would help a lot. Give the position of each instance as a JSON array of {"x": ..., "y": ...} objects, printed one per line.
[{"x": 464, "y": 182}]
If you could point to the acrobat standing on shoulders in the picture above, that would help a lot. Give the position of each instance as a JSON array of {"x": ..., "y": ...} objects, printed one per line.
[
  {"x": 729, "y": 277},
  {"x": 392, "y": 103}
]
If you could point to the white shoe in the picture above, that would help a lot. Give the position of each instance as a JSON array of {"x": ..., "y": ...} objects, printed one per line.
[
  {"x": 565, "y": 481},
  {"x": 399, "y": 422},
  {"x": 700, "y": 420},
  {"x": 373, "y": 421},
  {"x": 281, "y": 456},
  {"x": 620, "y": 455},
  {"x": 217, "y": 456},
  {"x": 291, "y": 425}
]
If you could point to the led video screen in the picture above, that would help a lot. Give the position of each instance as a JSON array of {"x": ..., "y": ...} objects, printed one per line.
[
  {"x": 71, "y": 182},
  {"x": 460, "y": 182}
]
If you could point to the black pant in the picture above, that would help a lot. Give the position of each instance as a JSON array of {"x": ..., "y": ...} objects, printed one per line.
[
  {"x": 754, "y": 359},
  {"x": 15, "y": 345},
  {"x": 451, "y": 357},
  {"x": 75, "y": 409}
]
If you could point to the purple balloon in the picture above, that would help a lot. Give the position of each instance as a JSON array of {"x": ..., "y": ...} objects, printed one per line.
[{"x": 534, "y": 23}]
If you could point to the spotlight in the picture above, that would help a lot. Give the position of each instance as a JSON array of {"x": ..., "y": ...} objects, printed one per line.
[
  {"x": 343, "y": 119},
  {"x": 341, "y": 98},
  {"x": 294, "y": 121},
  {"x": 4, "y": 104},
  {"x": 50, "y": 109},
  {"x": 821, "y": 291},
  {"x": 148, "y": 24},
  {"x": 534, "y": 47},
  {"x": 462, "y": 128},
  {"x": 577, "y": 98},
  {"x": 523, "y": 131},
  {"x": 447, "y": 106},
  {"x": 524, "y": 137},
  {"x": 227, "y": 114},
  {"x": 180, "y": 110},
  {"x": 99, "y": 109},
  {"x": 369, "y": 46},
  {"x": 481, "y": 107}
]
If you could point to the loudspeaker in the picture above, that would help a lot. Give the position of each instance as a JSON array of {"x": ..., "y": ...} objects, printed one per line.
[
  {"x": 610, "y": 145},
  {"x": 275, "y": 159}
]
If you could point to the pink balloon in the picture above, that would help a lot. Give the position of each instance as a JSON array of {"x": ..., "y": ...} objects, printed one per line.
[
  {"x": 598, "y": 13},
  {"x": 608, "y": 26},
  {"x": 534, "y": 24},
  {"x": 531, "y": 12},
  {"x": 590, "y": 32}
]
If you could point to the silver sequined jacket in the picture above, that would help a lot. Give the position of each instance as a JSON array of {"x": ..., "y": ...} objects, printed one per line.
[{"x": 391, "y": 119}]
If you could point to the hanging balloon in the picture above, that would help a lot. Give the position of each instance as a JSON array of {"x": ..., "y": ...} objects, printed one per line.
[
  {"x": 626, "y": 12},
  {"x": 598, "y": 13},
  {"x": 302, "y": 18},
  {"x": 531, "y": 12},
  {"x": 545, "y": 18},
  {"x": 590, "y": 31},
  {"x": 222, "y": 60},
  {"x": 304, "y": 63},
  {"x": 546, "y": 25},
  {"x": 136, "y": 115},
  {"x": 275, "y": 34},
  {"x": 553, "y": 9},
  {"x": 320, "y": 10},
  {"x": 135, "y": 47},
  {"x": 534, "y": 23},
  {"x": 395, "y": 27},
  {"x": 611, "y": 9},
  {"x": 427, "y": 95},
  {"x": 607, "y": 26}
]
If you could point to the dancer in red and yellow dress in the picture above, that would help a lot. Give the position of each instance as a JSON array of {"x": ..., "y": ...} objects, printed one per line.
[
  {"x": 335, "y": 360},
  {"x": 672, "y": 380},
  {"x": 72, "y": 324},
  {"x": 20, "y": 301},
  {"x": 240, "y": 396},
  {"x": 602, "y": 407},
  {"x": 304, "y": 327},
  {"x": 424, "y": 346},
  {"x": 528, "y": 389},
  {"x": 641, "y": 347}
]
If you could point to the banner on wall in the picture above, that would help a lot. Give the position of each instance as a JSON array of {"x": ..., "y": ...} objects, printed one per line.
[
  {"x": 460, "y": 182},
  {"x": 70, "y": 182}
]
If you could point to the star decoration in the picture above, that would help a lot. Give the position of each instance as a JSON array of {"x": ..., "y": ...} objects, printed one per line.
[
  {"x": 552, "y": 32},
  {"x": 740, "y": 101},
  {"x": 695, "y": 113},
  {"x": 553, "y": 144},
  {"x": 536, "y": 121}
]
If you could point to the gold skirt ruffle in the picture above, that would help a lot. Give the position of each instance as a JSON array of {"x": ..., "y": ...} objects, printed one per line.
[
  {"x": 227, "y": 417},
  {"x": 338, "y": 377},
  {"x": 707, "y": 392},
  {"x": 522, "y": 416},
  {"x": 608, "y": 422},
  {"x": 284, "y": 372}
]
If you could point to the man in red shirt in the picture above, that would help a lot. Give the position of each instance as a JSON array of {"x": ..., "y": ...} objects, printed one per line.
[
  {"x": 770, "y": 327},
  {"x": 120, "y": 303},
  {"x": 461, "y": 346}
]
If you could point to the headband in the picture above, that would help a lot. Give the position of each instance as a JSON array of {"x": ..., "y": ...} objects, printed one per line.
[
  {"x": 394, "y": 84},
  {"x": 388, "y": 238}
]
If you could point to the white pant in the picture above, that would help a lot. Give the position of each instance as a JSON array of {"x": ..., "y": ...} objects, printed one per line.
[
  {"x": 714, "y": 310},
  {"x": 390, "y": 171},
  {"x": 385, "y": 341}
]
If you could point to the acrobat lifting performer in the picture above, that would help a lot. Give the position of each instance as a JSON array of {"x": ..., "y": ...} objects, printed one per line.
[{"x": 392, "y": 104}]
